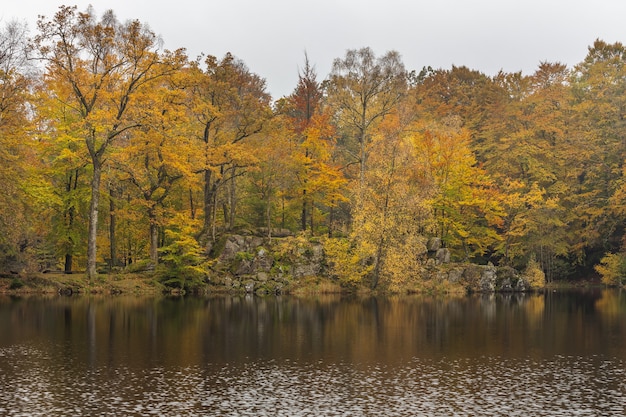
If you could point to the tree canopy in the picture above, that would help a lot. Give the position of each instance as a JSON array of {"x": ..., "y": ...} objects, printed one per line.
[{"x": 115, "y": 151}]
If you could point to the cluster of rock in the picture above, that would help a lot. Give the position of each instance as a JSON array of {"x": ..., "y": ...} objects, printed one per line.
[
  {"x": 246, "y": 262},
  {"x": 473, "y": 277},
  {"x": 484, "y": 278},
  {"x": 436, "y": 252},
  {"x": 249, "y": 263}
]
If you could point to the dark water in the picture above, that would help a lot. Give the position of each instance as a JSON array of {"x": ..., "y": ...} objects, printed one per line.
[{"x": 559, "y": 354}]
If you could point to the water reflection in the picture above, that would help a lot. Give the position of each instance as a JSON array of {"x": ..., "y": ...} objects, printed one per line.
[{"x": 542, "y": 354}]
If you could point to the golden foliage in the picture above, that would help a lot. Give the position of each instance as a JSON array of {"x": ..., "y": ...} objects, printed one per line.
[
  {"x": 349, "y": 261},
  {"x": 499, "y": 167},
  {"x": 612, "y": 268},
  {"x": 534, "y": 274}
]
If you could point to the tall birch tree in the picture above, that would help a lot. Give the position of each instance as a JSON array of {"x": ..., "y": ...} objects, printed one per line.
[{"x": 98, "y": 68}]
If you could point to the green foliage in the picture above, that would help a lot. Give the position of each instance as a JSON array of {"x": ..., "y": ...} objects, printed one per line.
[
  {"x": 244, "y": 256},
  {"x": 498, "y": 167},
  {"x": 612, "y": 268},
  {"x": 289, "y": 249},
  {"x": 16, "y": 284},
  {"x": 534, "y": 274},
  {"x": 347, "y": 260},
  {"x": 138, "y": 266},
  {"x": 182, "y": 262}
]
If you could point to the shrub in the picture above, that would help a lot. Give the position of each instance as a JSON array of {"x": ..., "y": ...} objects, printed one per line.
[
  {"x": 347, "y": 261},
  {"x": 16, "y": 284},
  {"x": 534, "y": 275},
  {"x": 244, "y": 256},
  {"x": 612, "y": 269},
  {"x": 182, "y": 264}
]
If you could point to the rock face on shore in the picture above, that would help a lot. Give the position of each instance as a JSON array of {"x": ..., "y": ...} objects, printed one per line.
[
  {"x": 256, "y": 264},
  {"x": 484, "y": 278}
]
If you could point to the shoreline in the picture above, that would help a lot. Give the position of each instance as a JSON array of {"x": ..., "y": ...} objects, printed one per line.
[{"x": 144, "y": 284}]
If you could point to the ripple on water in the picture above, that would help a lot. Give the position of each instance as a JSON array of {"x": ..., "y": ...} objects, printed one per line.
[{"x": 33, "y": 385}]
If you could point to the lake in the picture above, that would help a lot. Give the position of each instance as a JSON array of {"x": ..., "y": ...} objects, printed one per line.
[{"x": 552, "y": 354}]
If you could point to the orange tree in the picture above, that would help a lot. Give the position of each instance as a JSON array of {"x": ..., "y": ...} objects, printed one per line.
[
  {"x": 98, "y": 69},
  {"x": 227, "y": 104}
]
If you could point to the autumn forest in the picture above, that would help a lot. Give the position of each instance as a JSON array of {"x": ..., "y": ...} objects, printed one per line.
[{"x": 115, "y": 151}]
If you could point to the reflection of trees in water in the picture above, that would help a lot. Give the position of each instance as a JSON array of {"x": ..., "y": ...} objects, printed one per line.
[
  {"x": 231, "y": 330},
  {"x": 612, "y": 305}
]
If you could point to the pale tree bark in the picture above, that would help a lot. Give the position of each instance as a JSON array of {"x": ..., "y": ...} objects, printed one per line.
[
  {"x": 99, "y": 67},
  {"x": 112, "y": 228},
  {"x": 93, "y": 220},
  {"x": 365, "y": 89}
]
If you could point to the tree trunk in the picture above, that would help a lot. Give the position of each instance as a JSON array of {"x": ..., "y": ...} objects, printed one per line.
[
  {"x": 213, "y": 217},
  {"x": 192, "y": 206},
  {"x": 303, "y": 215},
  {"x": 362, "y": 157},
  {"x": 268, "y": 216},
  {"x": 233, "y": 201},
  {"x": 71, "y": 212},
  {"x": 312, "y": 213},
  {"x": 306, "y": 156},
  {"x": 226, "y": 213},
  {"x": 283, "y": 224},
  {"x": 69, "y": 259},
  {"x": 378, "y": 260},
  {"x": 228, "y": 205},
  {"x": 154, "y": 237},
  {"x": 112, "y": 227},
  {"x": 208, "y": 202},
  {"x": 330, "y": 219},
  {"x": 93, "y": 219},
  {"x": 129, "y": 253}
]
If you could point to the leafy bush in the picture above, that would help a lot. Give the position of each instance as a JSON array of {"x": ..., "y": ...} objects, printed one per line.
[
  {"x": 612, "y": 269},
  {"x": 346, "y": 261},
  {"x": 141, "y": 265},
  {"x": 182, "y": 264},
  {"x": 16, "y": 284},
  {"x": 534, "y": 274}
]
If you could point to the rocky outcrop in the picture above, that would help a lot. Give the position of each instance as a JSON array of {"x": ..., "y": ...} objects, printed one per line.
[
  {"x": 236, "y": 244},
  {"x": 437, "y": 252},
  {"x": 481, "y": 278},
  {"x": 475, "y": 278},
  {"x": 261, "y": 265},
  {"x": 308, "y": 262},
  {"x": 255, "y": 264}
]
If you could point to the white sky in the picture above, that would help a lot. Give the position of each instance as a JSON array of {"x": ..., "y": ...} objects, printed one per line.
[{"x": 271, "y": 36}]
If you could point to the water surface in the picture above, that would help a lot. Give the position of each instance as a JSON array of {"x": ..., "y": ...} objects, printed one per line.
[{"x": 555, "y": 354}]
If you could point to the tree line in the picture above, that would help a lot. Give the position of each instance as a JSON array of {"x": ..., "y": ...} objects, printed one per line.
[{"x": 115, "y": 150}]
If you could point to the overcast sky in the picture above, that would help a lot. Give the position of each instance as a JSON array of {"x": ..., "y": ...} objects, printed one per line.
[{"x": 271, "y": 36}]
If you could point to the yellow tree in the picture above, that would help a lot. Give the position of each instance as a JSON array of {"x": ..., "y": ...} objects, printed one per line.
[
  {"x": 295, "y": 173},
  {"x": 156, "y": 157},
  {"x": 318, "y": 177},
  {"x": 363, "y": 89},
  {"x": 464, "y": 200},
  {"x": 390, "y": 223},
  {"x": 478, "y": 100},
  {"x": 272, "y": 178},
  {"x": 303, "y": 104},
  {"x": 98, "y": 68},
  {"x": 537, "y": 152},
  {"x": 599, "y": 133},
  {"x": 530, "y": 216},
  {"x": 66, "y": 176},
  {"x": 227, "y": 104},
  {"x": 518, "y": 134}
]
